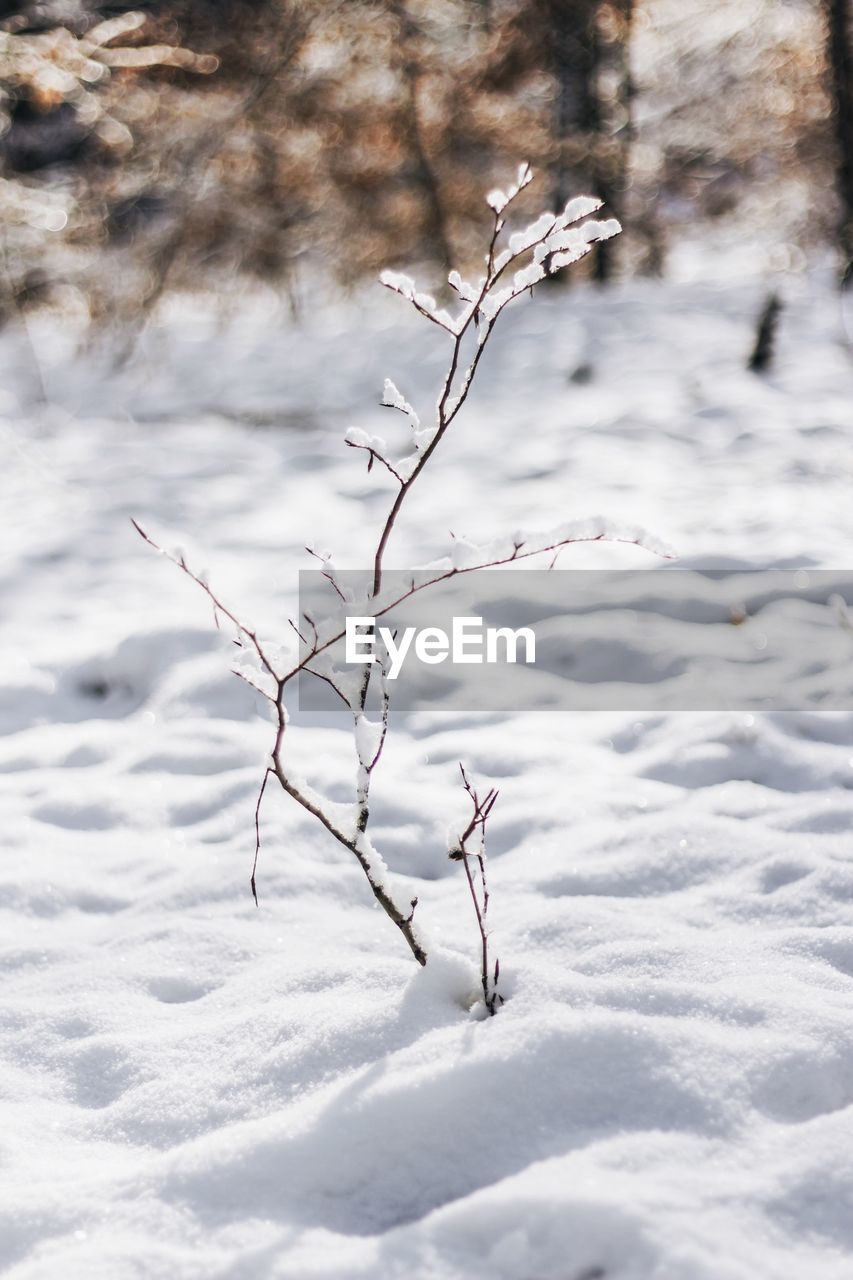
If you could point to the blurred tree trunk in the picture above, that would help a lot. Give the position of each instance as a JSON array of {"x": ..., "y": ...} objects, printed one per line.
[
  {"x": 571, "y": 34},
  {"x": 423, "y": 169},
  {"x": 841, "y": 86},
  {"x": 590, "y": 56},
  {"x": 612, "y": 151}
]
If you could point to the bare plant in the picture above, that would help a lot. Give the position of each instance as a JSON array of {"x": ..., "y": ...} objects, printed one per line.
[
  {"x": 462, "y": 852},
  {"x": 550, "y": 243}
]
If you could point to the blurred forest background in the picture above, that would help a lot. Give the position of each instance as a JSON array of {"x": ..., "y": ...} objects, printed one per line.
[{"x": 191, "y": 144}]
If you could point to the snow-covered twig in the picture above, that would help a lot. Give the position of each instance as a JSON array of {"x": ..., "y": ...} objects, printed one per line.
[
  {"x": 462, "y": 851},
  {"x": 548, "y": 244},
  {"x": 351, "y": 835},
  {"x": 468, "y": 557},
  {"x": 552, "y": 242}
]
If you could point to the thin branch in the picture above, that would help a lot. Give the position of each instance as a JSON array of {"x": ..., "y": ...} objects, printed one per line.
[
  {"x": 253, "y": 684},
  {"x": 449, "y": 402},
  {"x": 253, "y": 883},
  {"x": 328, "y": 574},
  {"x": 375, "y": 456},
  {"x": 445, "y": 413},
  {"x": 366, "y": 767},
  {"x": 326, "y": 679},
  {"x": 517, "y": 554},
  {"x": 181, "y": 563},
  {"x": 461, "y": 852}
]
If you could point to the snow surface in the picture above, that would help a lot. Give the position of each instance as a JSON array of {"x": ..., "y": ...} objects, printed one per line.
[{"x": 195, "y": 1088}]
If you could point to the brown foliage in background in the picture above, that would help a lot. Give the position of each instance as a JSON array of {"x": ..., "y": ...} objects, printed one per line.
[{"x": 270, "y": 136}]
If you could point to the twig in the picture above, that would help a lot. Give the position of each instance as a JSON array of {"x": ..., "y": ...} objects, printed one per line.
[
  {"x": 267, "y": 773},
  {"x": 460, "y": 852},
  {"x": 376, "y": 456},
  {"x": 218, "y": 606},
  {"x": 551, "y": 246},
  {"x": 354, "y": 842}
]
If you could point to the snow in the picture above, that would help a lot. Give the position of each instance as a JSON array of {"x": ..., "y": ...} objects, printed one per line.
[
  {"x": 498, "y": 199},
  {"x": 195, "y": 1088},
  {"x": 368, "y": 735},
  {"x": 392, "y": 398},
  {"x": 363, "y": 440}
]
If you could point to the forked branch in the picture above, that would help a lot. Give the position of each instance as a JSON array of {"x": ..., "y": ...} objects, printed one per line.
[
  {"x": 470, "y": 848},
  {"x": 550, "y": 243}
]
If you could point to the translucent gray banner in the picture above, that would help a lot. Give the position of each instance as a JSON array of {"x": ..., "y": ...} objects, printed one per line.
[{"x": 646, "y": 640}]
